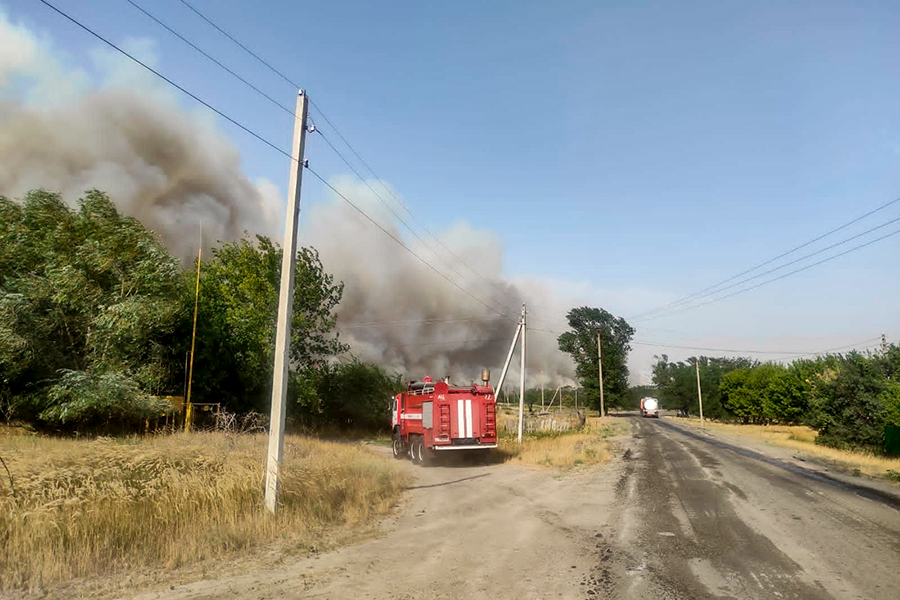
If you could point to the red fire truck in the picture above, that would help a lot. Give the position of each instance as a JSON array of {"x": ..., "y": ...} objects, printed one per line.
[{"x": 429, "y": 418}]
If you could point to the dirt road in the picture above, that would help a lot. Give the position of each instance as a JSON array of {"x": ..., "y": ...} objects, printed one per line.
[{"x": 673, "y": 516}]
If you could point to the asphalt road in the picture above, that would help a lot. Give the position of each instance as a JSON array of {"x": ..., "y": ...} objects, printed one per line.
[
  {"x": 674, "y": 515},
  {"x": 702, "y": 520}
]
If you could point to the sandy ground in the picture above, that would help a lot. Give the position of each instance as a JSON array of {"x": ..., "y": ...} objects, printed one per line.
[{"x": 674, "y": 515}]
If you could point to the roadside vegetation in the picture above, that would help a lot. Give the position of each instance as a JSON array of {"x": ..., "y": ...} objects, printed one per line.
[
  {"x": 803, "y": 439},
  {"x": 96, "y": 318},
  {"x": 587, "y": 445},
  {"x": 848, "y": 401},
  {"x": 132, "y": 505}
]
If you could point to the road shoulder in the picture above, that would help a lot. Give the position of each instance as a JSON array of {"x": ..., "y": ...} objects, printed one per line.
[{"x": 797, "y": 461}]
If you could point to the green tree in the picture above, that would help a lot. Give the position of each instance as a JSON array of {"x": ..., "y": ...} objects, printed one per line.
[
  {"x": 677, "y": 383},
  {"x": 852, "y": 404},
  {"x": 236, "y": 322},
  {"x": 83, "y": 293},
  {"x": 581, "y": 344}
]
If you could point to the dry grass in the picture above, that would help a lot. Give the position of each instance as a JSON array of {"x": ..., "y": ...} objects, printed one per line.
[
  {"x": 587, "y": 446},
  {"x": 85, "y": 508},
  {"x": 798, "y": 437}
]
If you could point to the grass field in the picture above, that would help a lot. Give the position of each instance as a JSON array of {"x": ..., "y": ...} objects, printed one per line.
[
  {"x": 586, "y": 446},
  {"x": 798, "y": 437},
  {"x": 106, "y": 506}
]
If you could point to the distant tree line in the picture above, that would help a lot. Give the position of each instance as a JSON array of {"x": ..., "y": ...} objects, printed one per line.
[
  {"x": 96, "y": 318},
  {"x": 850, "y": 399}
]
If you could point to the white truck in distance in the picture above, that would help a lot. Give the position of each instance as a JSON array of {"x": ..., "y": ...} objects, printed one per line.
[{"x": 649, "y": 407}]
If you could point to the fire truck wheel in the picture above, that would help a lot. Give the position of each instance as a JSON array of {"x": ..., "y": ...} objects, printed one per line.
[
  {"x": 397, "y": 446},
  {"x": 418, "y": 451}
]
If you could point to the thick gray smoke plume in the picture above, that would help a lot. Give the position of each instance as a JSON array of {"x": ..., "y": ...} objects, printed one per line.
[
  {"x": 172, "y": 169},
  {"x": 129, "y": 138},
  {"x": 399, "y": 312}
]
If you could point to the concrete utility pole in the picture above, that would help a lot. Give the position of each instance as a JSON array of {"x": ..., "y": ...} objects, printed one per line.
[
  {"x": 509, "y": 355},
  {"x": 522, "y": 381},
  {"x": 699, "y": 393},
  {"x": 275, "y": 458},
  {"x": 576, "y": 397},
  {"x": 600, "y": 363},
  {"x": 542, "y": 391}
]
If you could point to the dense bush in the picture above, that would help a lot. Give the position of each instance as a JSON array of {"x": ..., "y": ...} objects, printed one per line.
[
  {"x": 677, "y": 383},
  {"x": 853, "y": 403},
  {"x": 89, "y": 300},
  {"x": 344, "y": 395},
  {"x": 96, "y": 318},
  {"x": 768, "y": 393},
  {"x": 849, "y": 399}
]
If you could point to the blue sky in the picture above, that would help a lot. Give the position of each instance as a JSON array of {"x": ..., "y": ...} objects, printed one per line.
[{"x": 634, "y": 151}]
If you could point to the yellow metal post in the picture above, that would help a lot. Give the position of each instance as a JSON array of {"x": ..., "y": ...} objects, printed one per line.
[{"x": 187, "y": 401}]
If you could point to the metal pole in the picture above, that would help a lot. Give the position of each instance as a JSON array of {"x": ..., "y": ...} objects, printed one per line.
[
  {"x": 522, "y": 380},
  {"x": 188, "y": 412},
  {"x": 699, "y": 393},
  {"x": 285, "y": 303},
  {"x": 512, "y": 348},
  {"x": 542, "y": 392},
  {"x": 600, "y": 363}
]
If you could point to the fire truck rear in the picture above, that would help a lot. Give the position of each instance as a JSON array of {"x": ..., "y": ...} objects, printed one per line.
[{"x": 431, "y": 418}]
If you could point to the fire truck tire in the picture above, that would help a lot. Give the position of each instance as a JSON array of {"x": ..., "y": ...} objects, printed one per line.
[
  {"x": 418, "y": 452},
  {"x": 397, "y": 446}
]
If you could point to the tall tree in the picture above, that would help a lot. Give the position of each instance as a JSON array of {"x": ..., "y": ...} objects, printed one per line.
[
  {"x": 581, "y": 344},
  {"x": 236, "y": 321},
  {"x": 83, "y": 293}
]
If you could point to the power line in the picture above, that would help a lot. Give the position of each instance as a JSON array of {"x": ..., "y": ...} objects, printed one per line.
[
  {"x": 214, "y": 60},
  {"x": 797, "y": 260},
  {"x": 398, "y": 217},
  {"x": 788, "y": 274},
  {"x": 349, "y": 145},
  {"x": 797, "y": 354},
  {"x": 260, "y": 138},
  {"x": 400, "y": 242},
  {"x": 290, "y": 112},
  {"x": 771, "y": 260},
  {"x": 430, "y": 321},
  {"x": 167, "y": 80}
]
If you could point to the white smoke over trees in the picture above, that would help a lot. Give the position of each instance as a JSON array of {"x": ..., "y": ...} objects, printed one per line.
[{"x": 173, "y": 169}]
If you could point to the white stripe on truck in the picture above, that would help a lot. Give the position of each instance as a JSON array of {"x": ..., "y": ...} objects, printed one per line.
[
  {"x": 469, "y": 417},
  {"x": 460, "y": 418}
]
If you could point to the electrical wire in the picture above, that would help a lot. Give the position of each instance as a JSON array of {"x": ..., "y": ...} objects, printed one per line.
[
  {"x": 167, "y": 80},
  {"x": 262, "y": 139},
  {"x": 214, "y": 60},
  {"x": 768, "y": 281},
  {"x": 400, "y": 243},
  {"x": 346, "y": 142},
  {"x": 793, "y": 262},
  {"x": 771, "y": 260}
]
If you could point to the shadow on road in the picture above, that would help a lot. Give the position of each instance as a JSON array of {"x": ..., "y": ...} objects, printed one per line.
[{"x": 443, "y": 483}]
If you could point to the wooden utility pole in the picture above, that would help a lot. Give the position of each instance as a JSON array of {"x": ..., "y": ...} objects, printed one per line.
[
  {"x": 188, "y": 407},
  {"x": 522, "y": 382},
  {"x": 600, "y": 363},
  {"x": 275, "y": 457},
  {"x": 699, "y": 393}
]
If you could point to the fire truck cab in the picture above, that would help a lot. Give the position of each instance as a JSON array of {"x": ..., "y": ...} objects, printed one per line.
[{"x": 429, "y": 418}]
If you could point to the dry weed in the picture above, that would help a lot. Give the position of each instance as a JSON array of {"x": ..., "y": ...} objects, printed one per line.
[{"x": 84, "y": 508}]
